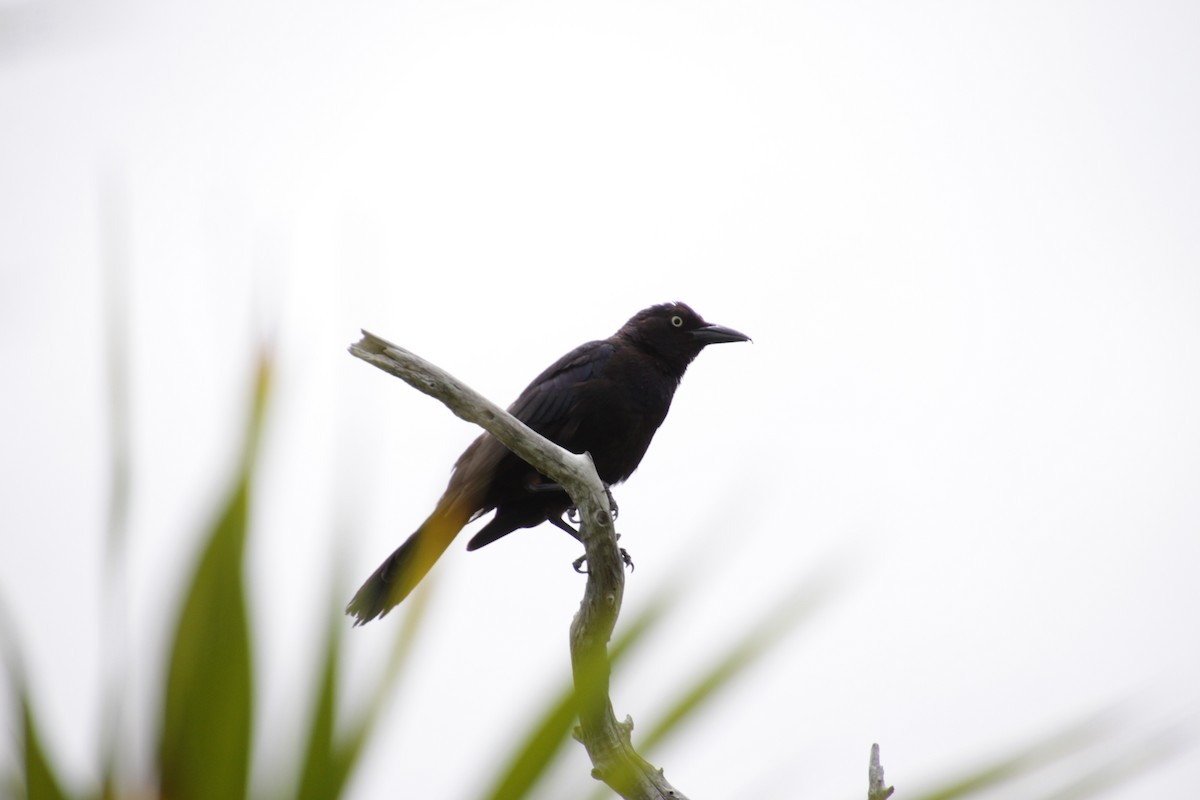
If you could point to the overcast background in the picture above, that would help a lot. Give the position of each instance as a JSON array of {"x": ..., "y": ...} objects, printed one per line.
[{"x": 964, "y": 237}]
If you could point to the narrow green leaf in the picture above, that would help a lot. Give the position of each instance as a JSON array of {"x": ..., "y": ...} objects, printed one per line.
[
  {"x": 1060, "y": 745},
  {"x": 115, "y": 261},
  {"x": 319, "y": 778},
  {"x": 1131, "y": 762},
  {"x": 349, "y": 747},
  {"x": 770, "y": 630},
  {"x": 204, "y": 745},
  {"x": 204, "y": 751},
  {"x": 36, "y": 778},
  {"x": 552, "y": 729},
  {"x": 114, "y": 236},
  {"x": 538, "y": 750},
  {"x": 41, "y": 782}
]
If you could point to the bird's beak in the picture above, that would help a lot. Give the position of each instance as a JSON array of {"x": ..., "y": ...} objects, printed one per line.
[{"x": 714, "y": 334}]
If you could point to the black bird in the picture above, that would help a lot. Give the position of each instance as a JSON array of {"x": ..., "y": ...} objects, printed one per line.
[{"x": 606, "y": 398}]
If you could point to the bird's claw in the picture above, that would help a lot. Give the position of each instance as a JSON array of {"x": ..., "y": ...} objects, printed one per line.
[
  {"x": 573, "y": 512},
  {"x": 612, "y": 501},
  {"x": 625, "y": 559}
]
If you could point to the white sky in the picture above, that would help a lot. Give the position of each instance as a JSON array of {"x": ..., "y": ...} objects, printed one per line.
[{"x": 963, "y": 236}]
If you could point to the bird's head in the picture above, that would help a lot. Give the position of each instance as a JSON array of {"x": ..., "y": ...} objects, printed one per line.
[{"x": 675, "y": 333}]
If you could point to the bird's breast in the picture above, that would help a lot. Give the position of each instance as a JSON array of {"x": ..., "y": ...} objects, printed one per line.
[{"x": 618, "y": 426}]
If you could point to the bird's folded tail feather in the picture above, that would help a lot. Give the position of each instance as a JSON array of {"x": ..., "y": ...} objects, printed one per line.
[{"x": 400, "y": 572}]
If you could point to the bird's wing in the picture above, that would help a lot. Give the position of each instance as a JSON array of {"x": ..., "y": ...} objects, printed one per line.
[{"x": 547, "y": 402}]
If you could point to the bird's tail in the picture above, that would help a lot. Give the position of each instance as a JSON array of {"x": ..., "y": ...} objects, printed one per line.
[{"x": 400, "y": 573}]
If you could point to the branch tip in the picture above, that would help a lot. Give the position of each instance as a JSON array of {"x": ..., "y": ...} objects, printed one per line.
[{"x": 875, "y": 788}]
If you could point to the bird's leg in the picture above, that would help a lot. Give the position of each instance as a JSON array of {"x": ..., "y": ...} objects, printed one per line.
[
  {"x": 573, "y": 513},
  {"x": 559, "y": 522}
]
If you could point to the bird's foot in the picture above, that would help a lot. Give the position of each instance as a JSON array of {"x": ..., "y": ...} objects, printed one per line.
[
  {"x": 573, "y": 512},
  {"x": 625, "y": 559},
  {"x": 612, "y": 501}
]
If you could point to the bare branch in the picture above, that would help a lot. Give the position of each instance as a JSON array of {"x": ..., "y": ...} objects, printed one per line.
[
  {"x": 607, "y": 741},
  {"x": 875, "y": 788}
]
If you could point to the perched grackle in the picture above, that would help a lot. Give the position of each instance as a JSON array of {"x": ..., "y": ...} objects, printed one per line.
[{"x": 606, "y": 398}]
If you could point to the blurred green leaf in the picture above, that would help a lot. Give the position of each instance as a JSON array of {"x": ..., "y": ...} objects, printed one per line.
[
  {"x": 351, "y": 746},
  {"x": 1114, "y": 765},
  {"x": 1061, "y": 744},
  {"x": 545, "y": 740},
  {"x": 329, "y": 760},
  {"x": 37, "y": 778},
  {"x": 769, "y": 631},
  {"x": 204, "y": 750},
  {"x": 115, "y": 260},
  {"x": 1129, "y": 763},
  {"x": 204, "y": 746},
  {"x": 319, "y": 777},
  {"x": 539, "y": 749},
  {"x": 41, "y": 782},
  {"x": 114, "y": 229}
]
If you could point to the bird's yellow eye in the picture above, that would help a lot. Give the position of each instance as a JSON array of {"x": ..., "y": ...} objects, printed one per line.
[{"x": 677, "y": 321}]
